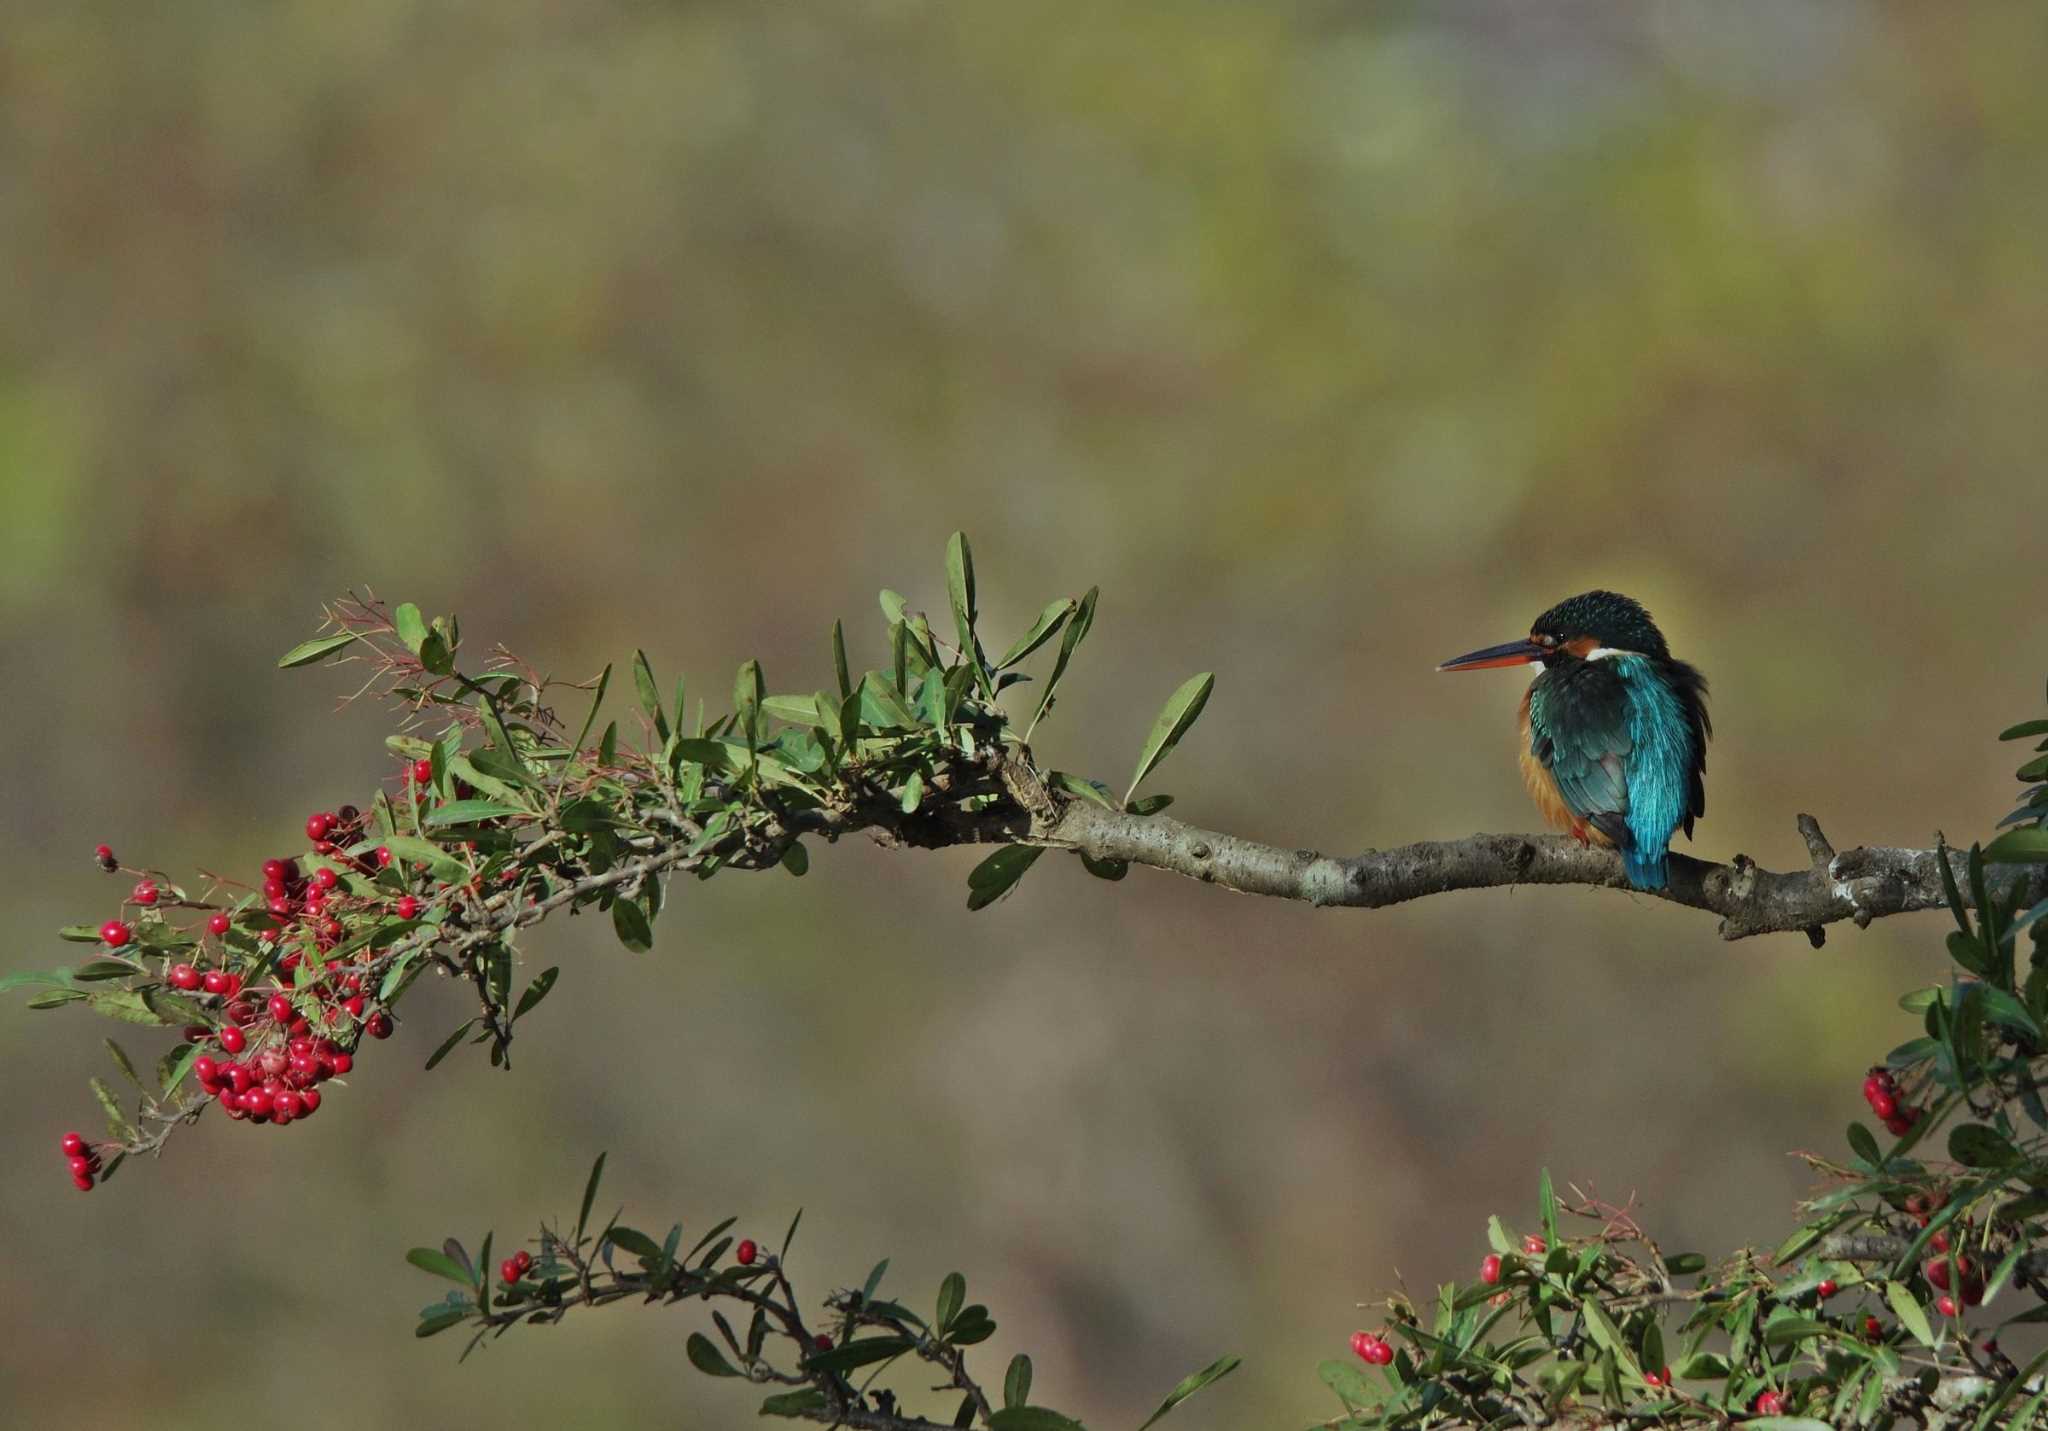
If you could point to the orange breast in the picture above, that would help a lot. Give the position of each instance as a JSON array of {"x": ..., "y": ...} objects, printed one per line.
[{"x": 1542, "y": 786}]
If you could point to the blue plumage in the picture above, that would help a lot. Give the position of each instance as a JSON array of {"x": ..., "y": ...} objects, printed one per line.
[{"x": 1617, "y": 729}]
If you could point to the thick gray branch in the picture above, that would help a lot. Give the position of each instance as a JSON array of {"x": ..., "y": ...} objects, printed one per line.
[{"x": 1859, "y": 884}]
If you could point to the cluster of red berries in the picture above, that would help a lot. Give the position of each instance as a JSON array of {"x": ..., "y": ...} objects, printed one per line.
[
  {"x": 1770, "y": 1403},
  {"x": 1881, "y": 1092},
  {"x": 1659, "y": 1378},
  {"x": 515, "y": 1266},
  {"x": 1962, "y": 1288},
  {"x": 1374, "y": 1351},
  {"x": 83, "y": 1160}
]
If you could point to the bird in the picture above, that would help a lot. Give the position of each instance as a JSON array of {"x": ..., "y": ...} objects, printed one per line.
[{"x": 1614, "y": 729}]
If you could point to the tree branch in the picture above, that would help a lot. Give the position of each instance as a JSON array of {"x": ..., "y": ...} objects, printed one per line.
[{"x": 1861, "y": 884}]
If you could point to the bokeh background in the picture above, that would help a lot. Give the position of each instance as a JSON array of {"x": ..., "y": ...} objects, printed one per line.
[{"x": 1330, "y": 339}]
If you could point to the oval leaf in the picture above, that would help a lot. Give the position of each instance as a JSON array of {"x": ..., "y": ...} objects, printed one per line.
[
  {"x": 1182, "y": 709},
  {"x": 307, "y": 652}
]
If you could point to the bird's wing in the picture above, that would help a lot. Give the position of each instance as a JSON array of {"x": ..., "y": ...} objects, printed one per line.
[
  {"x": 1579, "y": 729},
  {"x": 1666, "y": 756}
]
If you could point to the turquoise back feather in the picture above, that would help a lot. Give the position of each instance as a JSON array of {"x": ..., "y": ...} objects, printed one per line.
[{"x": 1658, "y": 768}]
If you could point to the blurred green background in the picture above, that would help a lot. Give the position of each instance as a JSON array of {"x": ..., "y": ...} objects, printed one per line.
[{"x": 1330, "y": 339}]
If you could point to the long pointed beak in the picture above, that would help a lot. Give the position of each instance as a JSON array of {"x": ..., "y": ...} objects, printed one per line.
[{"x": 1514, "y": 653}]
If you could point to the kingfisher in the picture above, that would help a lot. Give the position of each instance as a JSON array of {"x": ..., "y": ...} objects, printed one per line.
[{"x": 1614, "y": 729}]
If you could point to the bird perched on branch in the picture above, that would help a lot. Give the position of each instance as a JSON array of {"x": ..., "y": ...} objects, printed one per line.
[{"x": 1614, "y": 729}]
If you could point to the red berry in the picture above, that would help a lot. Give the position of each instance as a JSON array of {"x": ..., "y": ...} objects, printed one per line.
[
  {"x": 1371, "y": 1348},
  {"x": 343, "y": 1062},
  {"x": 822, "y": 1342},
  {"x": 232, "y": 1039},
  {"x": 508, "y": 1271},
  {"x": 383, "y": 857},
  {"x": 183, "y": 976},
  {"x": 1770, "y": 1403},
  {"x": 1946, "y": 1305},
  {"x": 1382, "y": 1353},
  {"x": 1872, "y": 1328},
  {"x": 82, "y": 1181},
  {"x": 744, "y": 1253},
  {"x": 408, "y": 907},
  {"x": 1657, "y": 1378},
  {"x": 73, "y": 1144},
  {"x": 145, "y": 893},
  {"x": 114, "y": 933},
  {"x": 378, "y": 1025},
  {"x": 318, "y": 825},
  {"x": 524, "y": 1259},
  {"x": 309, "y": 1102},
  {"x": 1938, "y": 1240},
  {"x": 1827, "y": 1288},
  {"x": 1534, "y": 1246},
  {"x": 1489, "y": 1269},
  {"x": 105, "y": 855},
  {"x": 214, "y": 981},
  {"x": 422, "y": 771},
  {"x": 325, "y": 878},
  {"x": 1899, "y": 1126},
  {"x": 1884, "y": 1105},
  {"x": 354, "y": 1004},
  {"x": 281, "y": 1010},
  {"x": 205, "y": 1069},
  {"x": 284, "y": 1106}
]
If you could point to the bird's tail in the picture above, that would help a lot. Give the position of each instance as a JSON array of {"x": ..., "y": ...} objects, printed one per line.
[{"x": 1644, "y": 868}]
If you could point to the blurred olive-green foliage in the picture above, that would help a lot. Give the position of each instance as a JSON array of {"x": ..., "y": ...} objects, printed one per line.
[{"x": 1331, "y": 339}]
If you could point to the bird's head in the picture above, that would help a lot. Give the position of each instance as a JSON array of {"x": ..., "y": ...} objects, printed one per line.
[{"x": 1583, "y": 628}]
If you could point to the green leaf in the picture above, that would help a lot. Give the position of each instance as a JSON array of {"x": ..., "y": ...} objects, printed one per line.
[
  {"x": 1077, "y": 630},
  {"x": 1149, "y": 805},
  {"x": 1345, "y": 1378},
  {"x": 307, "y": 652},
  {"x": 40, "y": 978},
  {"x": 1091, "y": 790},
  {"x": 649, "y": 693},
  {"x": 952, "y": 1292},
  {"x": 630, "y": 923},
  {"x": 1909, "y": 1312},
  {"x": 1864, "y": 1144},
  {"x": 1109, "y": 869},
  {"x": 913, "y": 792},
  {"x": 597, "y": 700},
  {"x": 589, "y": 1196},
  {"x": 117, "y": 1121},
  {"x": 172, "y": 1067},
  {"x": 1546, "y": 1200},
  {"x": 634, "y": 1241},
  {"x": 2002, "y": 1008},
  {"x": 2024, "y": 729},
  {"x": 410, "y": 625},
  {"x": 839, "y": 661},
  {"x": 468, "y": 812},
  {"x": 1049, "y": 621},
  {"x": 1032, "y": 1418},
  {"x": 536, "y": 991},
  {"x": 881, "y": 707},
  {"x": 411, "y": 849},
  {"x": 794, "y": 1403},
  {"x": 748, "y": 692},
  {"x": 799, "y": 710},
  {"x": 860, "y": 1353},
  {"x": 1976, "y": 1146},
  {"x": 448, "y": 1044},
  {"x": 995, "y": 876},
  {"x": 427, "y": 1259},
  {"x": 2022, "y": 846},
  {"x": 706, "y": 1357},
  {"x": 138, "y": 1008},
  {"x": 1208, "y": 1375},
  {"x": 960, "y": 589},
  {"x": 123, "y": 1062},
  {"x": 94, "y": 970},
  {"x": 1017, "y": 1381},
  {"x": 1604, "y": 1334},
  {"x": 440, "y": 1319},
  {"x": 1182, "y": 709}
]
